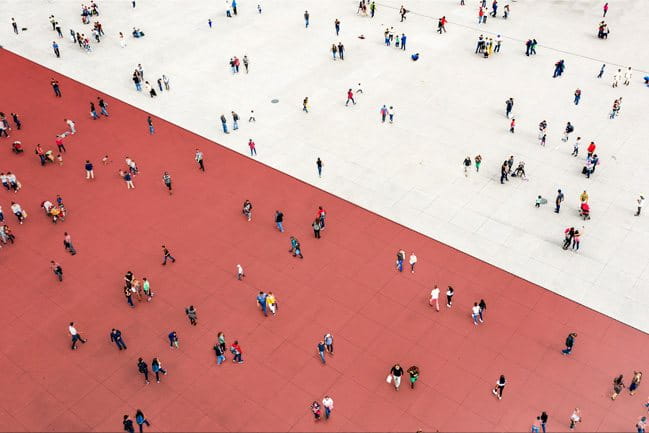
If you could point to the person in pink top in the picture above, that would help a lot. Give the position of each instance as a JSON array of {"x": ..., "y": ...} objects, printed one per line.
[{"x": 251, "y": 144}]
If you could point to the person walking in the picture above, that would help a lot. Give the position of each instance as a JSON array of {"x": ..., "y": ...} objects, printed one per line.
[
  {"x": 261, "y": 300},
  {"x": 329, "y": 343},
  {"x": 90, "y": 174},
  {"x": 570, "y": 342},
  {"x": 475, "y": 313},
  {"x": 575, "y": 418},
  {"x": 577, "y": 96},
  {"x": 191, "y": 315},
  {"x": 237, "y": 352},
  {"x": 305, "y": 105},
  {"x": 116, "y": 337},
  {"x": 146, "y": 288},
  {"x": 143, "y": 368},
  {"x": 558, "y": 201},
  {"x": 500, "y": 386},
  {"x": 140, "y": 419},
  {"x": 166, "y": 178},
  {"x": 395, "y": 376},
  {"x": 67, "y": 244},
  {"x": 55, "y": 47},
  {"x": 412, "y": 261},
  {"x": 544, "y": 420},
  {"x": 306, "y": 19},
  {"x": 251, "y": 145},
  {"x": 128, "y": 293},
  {"x": 198, "y": 157},
  {"x": 235, "y": 116},
  {"x": 639, "y": 204},
  {"x": 350, "y": 97},
  {"x": 316, "y": 228},
  {"x": 337, "y": 26},
  {"x": 279, "y": 220},
  {"x": 618, "y": 385},
  {"x": 434, "y": 298},
  {"x": 271, "y": 303},
  {"x": 128, "y": 424},
  {"x": 401, "y": 256},
  {"x": 76, "y": 336},
  {"x": 321, "y": 351},
  {"x": 167, "y": 256},
  {"x": 103, "y": 107},
  {"x": 240, "y": 273},
  {"x": 315, "y": 409},
  {"x": 328, "y": 404},
  {"x": 413, "y": 372},
  {"x": 56, "y": 87},
  {"x": 319, "y": 165},
  {"x": 57, "y": 269},
  {"x": 220, "y": 354},
  {"x": 635, "y": 382},
  {"x": 156, "y": 366},
  {"x": 14, "y": 25},
  {"x": 173, "y": 339},
  {"x": 149, "y": 122},
  {"x": 483, "y": 308},
  {"x": 449, "y": 296}
]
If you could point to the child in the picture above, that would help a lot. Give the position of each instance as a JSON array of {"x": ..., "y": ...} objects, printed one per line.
[
  {"x": 59, "y": 158},
  {"x": 538, "y": 201}
]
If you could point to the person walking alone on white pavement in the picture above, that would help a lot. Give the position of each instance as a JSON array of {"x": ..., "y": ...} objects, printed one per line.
[{"x": 640, "y": 203}]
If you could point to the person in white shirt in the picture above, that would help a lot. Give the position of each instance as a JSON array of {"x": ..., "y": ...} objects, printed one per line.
[
  {"x": 71, "y": 126},
  {"x": 413, "y": 262},
  {"x": 475, "y": 313},
  {"x": 18, "y": 211},
  {"x": 75, "y": 336},
  {"x": 13, "y": 182},
  {"x": 434, "y": 297},
  {"x": 5, "y": 181},
  {"x": 47, "y": 205},
  {"x": 328, "y": 404},
  {"x": 240, "y": 273},
  {"x": 640, "y": 202}
]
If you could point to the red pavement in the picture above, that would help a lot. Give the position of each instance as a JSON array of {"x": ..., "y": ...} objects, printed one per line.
[{"x": 346, "y": 285}]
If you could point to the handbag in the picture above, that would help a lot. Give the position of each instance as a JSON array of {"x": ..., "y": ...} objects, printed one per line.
[{"x": 389, "y": 378}]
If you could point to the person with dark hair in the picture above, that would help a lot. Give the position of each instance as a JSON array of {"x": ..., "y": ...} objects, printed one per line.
[
  {"x": 143, "y": 368},
  {"x": 500, "y": 386},
  {"x": 140, "y": 419},
  {"x": 570, "y": 342}
]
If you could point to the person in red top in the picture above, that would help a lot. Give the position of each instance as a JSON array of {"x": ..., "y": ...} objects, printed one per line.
[
  {"x": 41, "y": 155},
  {"x": 236, "y": 350},
  {"x": 321, "y": 216},
  {"x": 251, "y": 144},
  {"x": 591, "y": 149},
  {"x": 59, "y": 143},
  {"x": 350, "y": 97}
]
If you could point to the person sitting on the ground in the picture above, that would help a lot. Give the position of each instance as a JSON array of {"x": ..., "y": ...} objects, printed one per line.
[
  {"x": 17, "y": 147},
  {"x": 520, "y": 171},
  {"x": 415, "y": 57},
  {"x": 137, "y": 33}
]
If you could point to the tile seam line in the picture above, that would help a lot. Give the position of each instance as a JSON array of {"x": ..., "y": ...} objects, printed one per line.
[{"x": 315, "y": 187}]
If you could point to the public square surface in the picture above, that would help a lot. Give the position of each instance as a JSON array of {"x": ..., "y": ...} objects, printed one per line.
[{"x": 409, "y": 172}]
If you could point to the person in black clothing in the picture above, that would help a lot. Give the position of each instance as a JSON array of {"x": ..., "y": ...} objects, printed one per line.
[
  {"x": 128, "y": 424},
  {"x": 509, "y": 105},
  {"x": 167, "y": 256},
  {"x": 316, "y": 228},
  {"x": 57, "y": 269},
  {"x": 279, "y": 219},
  {"x": 103, "y": 107},
  {"x": 504, "y": 169},
  {"x": 500, "y": 386},
  {"x": 116, "y": 337},
  {"x": 55, "y": 86},
  {"x": 570, "y": 341},
  {"x": 143, "y": 368},
  {"x": 16, "y": 121},
  {"x": 396, "y": 372},
  {"x": 483, "y": 308},
  {"x": 128, "y": 279},
  {"x": 544, "y": 420}
]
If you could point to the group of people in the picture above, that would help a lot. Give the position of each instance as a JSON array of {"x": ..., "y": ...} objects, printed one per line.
[
  {"x": 53, "y": 211},
  {"x": 134, "y": 287},
  {"x": 235, "y": 63},
  {"x": 487, "y": 46},
  {"x": 390, "y": 38},
  {"x": 138, "y": 79}
]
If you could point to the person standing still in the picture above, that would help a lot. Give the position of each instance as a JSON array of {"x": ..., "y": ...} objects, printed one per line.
[
  {"x": 544, "y": 420},
  {"x": 558, "y": 201},
  {"x": 149, "y": 122},
  {"x": 316, "y": 228},
  {"x": 413, "y": 262},
  {"x": 279, "y": 219},
  {"x": 319, "y": 165},
  {"x": 198, "y": 157},
  {"x": 449, "y": 296},
  {"x": 191, "y": 315},
  {"x": 306, "y": 19},
  {"x": 321, "y": 351}
]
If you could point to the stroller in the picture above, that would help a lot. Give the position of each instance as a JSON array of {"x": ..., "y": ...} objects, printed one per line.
[{"x": 584, "y": 211}]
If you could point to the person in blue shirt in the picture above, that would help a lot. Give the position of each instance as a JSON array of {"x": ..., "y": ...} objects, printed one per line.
[
  {"x": 403, "y": 41},
  {"x": 261, "y": 300}
]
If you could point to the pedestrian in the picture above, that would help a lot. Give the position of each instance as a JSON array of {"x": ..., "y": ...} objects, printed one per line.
[
  {"x": 315, "y": 409},
  {"x": 475, "y": 313},
  {"x": 413, "y": 262},
  {"x": 500, "y": 386},
  {"x": 103, "y": 107},
  {"x": 279, "y": 220},
  {"x": 55, "y": 47},
  {"x": 128, "y": 179},
  {"x": 414, "y": 375},
  {"x": 559, "y": 67},
  {"x": 20, "y": 213},
  {"x": 509, "y": 105},
  {"x": 328, "y": 404},
  {"x": 140, "y": 419},
  {"x": 401, "y": 256},
  {"x": 341, "y": 51},
  {"x": 395, "y": 376},
  {"x": 149, "y": 122},
  {"x": 128, "y": 424},
  {"x": 237, "y": 352},
  {"x": 329, "y": 343},
  {"x": 575, "y": 147},
  {"x": 544, "y": 420},
  {"x": 466, "y": 163},
  {"x": 449, "y": 296},
  {"x": 384, "y": 113},
  {"x": 71, "y": 126},
  {"x": 173, "y": 339},
  {"x": 627, "y": 76},
  {"x": 434, "y": 298},
  {"x": 271, "y": 303},
  {"x": 247, "y": 209},
  {"x": 321, "y": 351},
  {"x": 166, "y": 178},
  {"x": 67, "y": 244},
  {"x": 146, "y": 288},
  {"x": 90, "y": 174},
  {"x": 16, "y": 120},
  {"x": 601, "y": 71},
  {"x": 316, "y": 228},
  {"x": 116, "y": 337},
  {"x": 295, "y": 247},
  {"x": 570, "y": 342},
  {"x": 306, "y": 19},
  {"x": 57, "y": 269},
  {"x": 641, "y": 425},
  {"x": 156, "y": 366},
  {"x": 391, "y": 114},
  {"x": 350, "y": 97},
  {"x": 305, "y": 105},
  {"x": 337, "y": 26},
  {"x": 198, "y": 157},
  {"x": 220, "y": 354},
  {"x": 478, "y": 161},
  {"x": 577, "y": 96},
  {"x": 261, "y": 300},
  {"x": 605, "y": 9},
  {"x": 235, "y": 120},
  {"x": 616, "y": 78},
  {"x": 93, "y": 111},
  {"x": 143, "y": 368},
  {"x": 483, "y": 307},
  {"x": 56, "y": 87},
  {"x": 167, "y": 256},
  {"x": 618, "y": 385},
  {"x": 322, "y": 216},
  {"x": 558, "y": 201},
  {"x": 76, "y": 336},
  {"x": 224, "y": 124},
  {"x": 635, "y": 382},
  {"x": 512, "y": 125},
  {"x": 128, "y": 293},
  {"x": 191, "y": 315},
  {"x": 319, "y": 165},
  {"x": 569, "y": 129},
  {"x": 251, "y": 145},
  {"x": 14, "y": 25},
  {"x": 639, "y": 204},
  {"x": 372, "y": 9},
  {"x": 575, "y": 417}
]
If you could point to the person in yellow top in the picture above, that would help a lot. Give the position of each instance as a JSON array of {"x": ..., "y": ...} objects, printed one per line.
[
  {"x": 271, "y": 302},
  {"x": 583, "y": 197}
]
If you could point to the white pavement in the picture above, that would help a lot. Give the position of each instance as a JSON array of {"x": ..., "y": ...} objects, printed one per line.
[{"x": 448, "y": 105}]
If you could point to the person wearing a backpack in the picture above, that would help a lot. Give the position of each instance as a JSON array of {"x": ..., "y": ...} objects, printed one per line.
[{"x": 140, "y": 419}]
